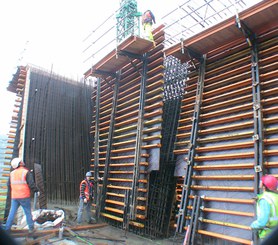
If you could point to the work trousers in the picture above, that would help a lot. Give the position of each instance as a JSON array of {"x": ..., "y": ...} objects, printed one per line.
[
  {"x": 25, "y": 203},
  {"x": 87, "y": 207},
  {"x": 148, "y": 31}
]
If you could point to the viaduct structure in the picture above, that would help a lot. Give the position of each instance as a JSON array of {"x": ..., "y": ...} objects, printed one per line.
[{"x": 180, "y": 133}]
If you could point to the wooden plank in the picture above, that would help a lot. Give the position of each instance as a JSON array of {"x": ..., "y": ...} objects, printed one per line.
[
  {"x": 226, "y": 237},
  {"x": 40, "y": 239},
  {"x": 223, "y": 177},
  {"x": 114, "y": 210},
  {"x": 227, "y": 76},
  {"x": 229, "y": 119},
  {"x": 125, "y": 164},
  {"x": 153, "y": 99},
  {"x": 240, "y": 145},
  {"x": 114, "y": 172},
  {"x": 229, "y": 200},
  {"x": 228, "y": 224},
  {"x": 113, "y": 217},
  {"x": 125, "y": 188},
  {"x": 128, "y": 108},
  {"x": 226, "y": 137},
  {"x": 224, "y": 166},
  {"x": 23, "y": 233},
  {"x": 223, "y": 188},
  {"x": 225, "y": 156},
  {"x": 230, "y": 212}
]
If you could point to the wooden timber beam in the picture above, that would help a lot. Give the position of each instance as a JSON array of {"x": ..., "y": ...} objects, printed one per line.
[
  {"x": 21, "y": 233},
  {"x": 223, "y": 188},
  {"x": 224, "y": 156},
  {"x": 224, "y": 166},
  {"x": 228, "y": 224},
  {"x": 223, "y": 177},
  {"x": 225, "y": 237}
]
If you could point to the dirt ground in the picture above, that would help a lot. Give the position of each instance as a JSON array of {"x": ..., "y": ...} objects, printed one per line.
[{"x": 106, "y": 235}]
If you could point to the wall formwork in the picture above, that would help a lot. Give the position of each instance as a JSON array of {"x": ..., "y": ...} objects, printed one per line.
[
  {"x": 216, "y": 140},
  {"x": 180, "y": 138}
]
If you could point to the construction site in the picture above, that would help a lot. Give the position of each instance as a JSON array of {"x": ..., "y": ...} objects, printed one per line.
[{"x": 180, "y": 129}]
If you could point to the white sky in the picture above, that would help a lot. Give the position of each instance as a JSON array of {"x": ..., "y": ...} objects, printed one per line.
[{"x": 50, "y": 33}]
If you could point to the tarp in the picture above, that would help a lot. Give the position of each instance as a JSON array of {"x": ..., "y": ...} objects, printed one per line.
[{"x": 45, "y": 218}]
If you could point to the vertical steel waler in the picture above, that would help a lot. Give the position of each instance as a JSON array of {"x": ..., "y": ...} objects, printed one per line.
[{"x": 192, "y": 146}]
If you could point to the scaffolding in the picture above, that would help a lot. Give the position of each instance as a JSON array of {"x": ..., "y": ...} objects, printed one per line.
[
  {"x": 192, "y": 17},
  {"x": 187, "y": 19}
]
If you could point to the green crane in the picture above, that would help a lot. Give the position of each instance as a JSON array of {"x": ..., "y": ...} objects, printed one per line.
[{"x": 128, "y": 20}]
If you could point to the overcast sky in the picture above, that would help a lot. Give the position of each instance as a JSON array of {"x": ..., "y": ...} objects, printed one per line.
[{"x": 50, "y": 33}]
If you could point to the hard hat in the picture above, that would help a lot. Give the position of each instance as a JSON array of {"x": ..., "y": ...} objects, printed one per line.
[
  {"x": 270, "y": 182},
  {"x": 15, "y": 162},
  {"x": 89, "y": 174}
]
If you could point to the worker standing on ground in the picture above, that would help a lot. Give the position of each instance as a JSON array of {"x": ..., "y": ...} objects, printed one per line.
[
  {"x": 148, "y": 20},
  {"x": 86, "y": 199},
  {"x": 21, "y": 183},
  {"x": 267, "y": 207}
]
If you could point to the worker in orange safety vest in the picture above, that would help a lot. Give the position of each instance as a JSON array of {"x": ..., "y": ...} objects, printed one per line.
[
  {"x": 86, "y": 198},
  {"x": 21, "y": 183}
]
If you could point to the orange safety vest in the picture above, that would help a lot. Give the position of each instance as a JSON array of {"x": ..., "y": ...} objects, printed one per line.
[
  {"x": 87, "y": 189},
  {"x": 19, "y": 186}
]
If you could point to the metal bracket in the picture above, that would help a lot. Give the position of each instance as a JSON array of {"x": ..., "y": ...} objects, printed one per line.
[
  {"x": 248, "y": 34},
  {"x": 131, "y": 55},
  {"x": 185, "y": 186},
  {"x": 255, "y": 137},
  {"x": 105, "y": 73},
  {"x": 256, "y": 106},
  {"x": 254, "y": 64},
  {"x": 197, "y": 101},
  {"x": 190, "y": 145},
  {"x": 182, "y": 47},
  {"x": 194, "y": 54},
  {"x": 134, "y": 56},
  {"x": 258, "y": 169}
]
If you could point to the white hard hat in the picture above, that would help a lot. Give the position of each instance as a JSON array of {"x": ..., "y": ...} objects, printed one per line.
[
  {"x": 15, "y": 162},
  {"x": 89, "y": 174}
]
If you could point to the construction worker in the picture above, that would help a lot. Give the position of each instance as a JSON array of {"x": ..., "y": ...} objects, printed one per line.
[
  {"x": 148, "y": 20},
  {"x": 21, "y": 183},
  {"x": 86, "y": 198},
  {"x": 267, "y": 207}
]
